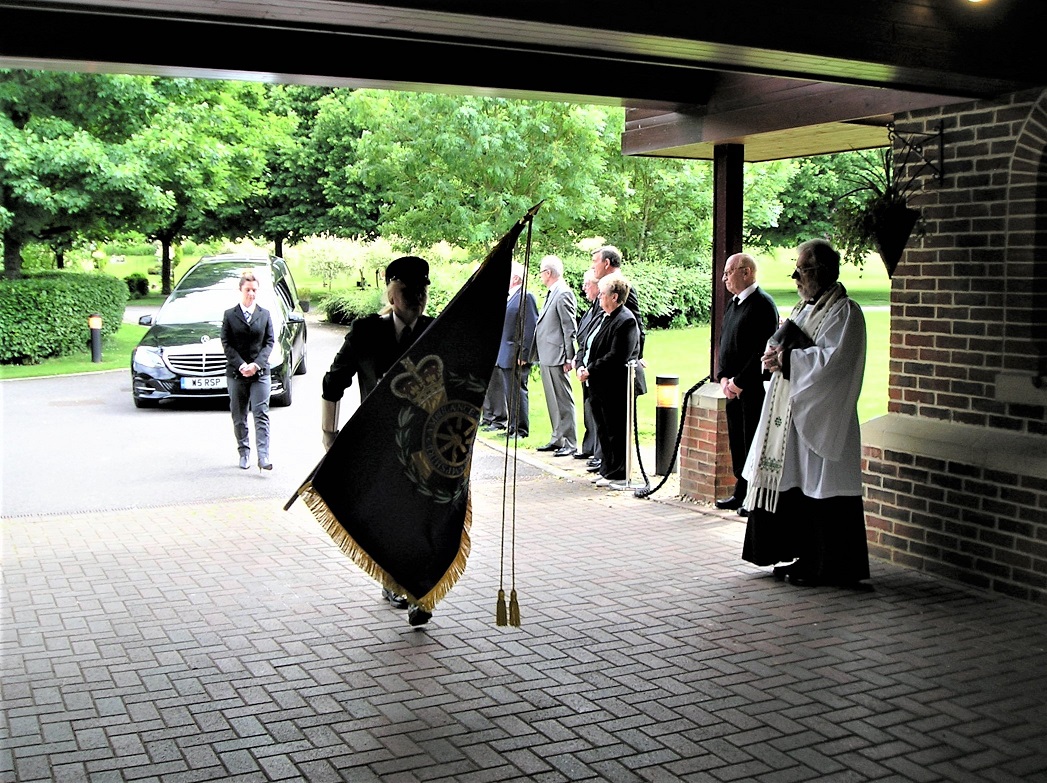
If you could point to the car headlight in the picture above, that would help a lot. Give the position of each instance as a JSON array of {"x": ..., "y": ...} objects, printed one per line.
[{"x": 147, "y": 356}]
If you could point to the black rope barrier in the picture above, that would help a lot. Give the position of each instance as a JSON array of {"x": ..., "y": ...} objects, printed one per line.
[{"x": 646, "y": 491}]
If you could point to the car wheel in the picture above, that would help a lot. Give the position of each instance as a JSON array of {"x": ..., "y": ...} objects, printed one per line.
[
  {"x": 284, "y": 399},
  {"x": 301, "y": 368}
]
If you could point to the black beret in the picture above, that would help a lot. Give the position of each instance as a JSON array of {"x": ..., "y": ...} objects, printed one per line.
[{"x": 409, "y": 270}]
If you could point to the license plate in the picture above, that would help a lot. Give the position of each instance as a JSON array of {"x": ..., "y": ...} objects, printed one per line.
[{"x": 204, "y": 383}]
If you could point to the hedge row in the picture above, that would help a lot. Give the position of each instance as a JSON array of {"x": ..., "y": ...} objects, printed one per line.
[
  {"x": 670, "y": 297},
  {"x": 45, "y": 313}
]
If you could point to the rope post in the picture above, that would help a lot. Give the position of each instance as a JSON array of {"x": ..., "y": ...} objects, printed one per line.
[{"x": 630, "y": 426}]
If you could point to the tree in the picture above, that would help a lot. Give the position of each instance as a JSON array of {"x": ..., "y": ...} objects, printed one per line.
[
  {"x": 810, "y": 196},
  {"x": 461, "y": 169},
  {"x": 206, "y": 150},
  {"x": 67, "y": 172},
  {"x": 293, "y": 204}
]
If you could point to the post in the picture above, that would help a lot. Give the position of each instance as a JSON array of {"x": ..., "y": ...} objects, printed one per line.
[
  {"x": 630, "y": 427},
  {"x": 94, "y": 323},
  {"x": 666, "y": 423}
]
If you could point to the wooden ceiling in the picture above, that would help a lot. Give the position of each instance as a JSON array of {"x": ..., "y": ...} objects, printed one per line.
[{"x": 783, "y": 79}]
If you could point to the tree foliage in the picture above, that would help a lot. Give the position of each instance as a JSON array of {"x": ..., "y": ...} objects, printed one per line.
[{"x": 67, "y": 170}]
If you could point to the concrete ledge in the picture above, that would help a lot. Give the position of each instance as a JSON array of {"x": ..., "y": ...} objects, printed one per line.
[{"x": 1008, "y": 452}]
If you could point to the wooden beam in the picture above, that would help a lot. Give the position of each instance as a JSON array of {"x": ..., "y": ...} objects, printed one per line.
[{"x": 728, "y": 187}]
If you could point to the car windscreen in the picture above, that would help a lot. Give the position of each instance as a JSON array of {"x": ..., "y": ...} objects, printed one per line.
[{"x": 196, "y": 306}]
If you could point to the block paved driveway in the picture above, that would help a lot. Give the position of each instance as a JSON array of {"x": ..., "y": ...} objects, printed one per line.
[{"x": 232, "y": 641}]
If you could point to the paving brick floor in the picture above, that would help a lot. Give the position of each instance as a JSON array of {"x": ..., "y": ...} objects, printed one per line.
[{"x": 232, "y": 641}]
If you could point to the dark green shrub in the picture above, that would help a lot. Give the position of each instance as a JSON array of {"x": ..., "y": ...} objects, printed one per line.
[
  {"x": 45, "y": 314},
  {"x": 137, "y": 285}
]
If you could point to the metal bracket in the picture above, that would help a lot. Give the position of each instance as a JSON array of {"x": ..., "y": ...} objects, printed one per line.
[{"x": 916, "y": 144}]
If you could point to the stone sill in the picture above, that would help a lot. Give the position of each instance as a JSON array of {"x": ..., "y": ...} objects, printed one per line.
[{"x": 1007, "y": 452}]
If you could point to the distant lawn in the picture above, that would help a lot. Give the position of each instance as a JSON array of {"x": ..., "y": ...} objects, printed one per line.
[{"x": 116, "y": 355}]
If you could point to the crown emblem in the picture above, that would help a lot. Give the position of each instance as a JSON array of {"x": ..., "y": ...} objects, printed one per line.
[{"x": 422, "y": 383}]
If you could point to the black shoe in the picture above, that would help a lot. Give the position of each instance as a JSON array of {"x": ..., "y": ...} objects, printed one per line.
[
  {"x": 244, "y": 460},
  {"x": 548, "y": 447},
  {"x": 398, "y": 601},
  {"x": 742, "y": 512},
  {"x": 264, "y": 463},
  {"x": 583, "y": 455},
  {"x": 729, "y": 504},
  {"x": 594, "y": 462},
  {"x": 416, "y": 616},
  {"x": 566, "y": 451},
  {"x": 594, "y": 468},
  {"x": 493, "y": 427}
]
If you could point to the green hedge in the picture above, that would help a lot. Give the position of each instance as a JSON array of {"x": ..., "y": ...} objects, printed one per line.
[
  {"x": 671, "y": 297},
  {"x": 45, "y": 314}
]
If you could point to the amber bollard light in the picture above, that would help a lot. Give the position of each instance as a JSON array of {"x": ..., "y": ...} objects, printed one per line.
[
  {"x": 94, "y": 323},
  {"x": 666, "y": 423}
]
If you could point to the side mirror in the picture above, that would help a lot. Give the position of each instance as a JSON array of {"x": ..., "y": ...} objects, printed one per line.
[
  {"x": 296, "y": 318},
  {"x": 145, "y": 320},
  {"x": 304, "y": 304}
]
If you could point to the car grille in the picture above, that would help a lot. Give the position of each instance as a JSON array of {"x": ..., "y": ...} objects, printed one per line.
[{"x": 198, "y": 363}]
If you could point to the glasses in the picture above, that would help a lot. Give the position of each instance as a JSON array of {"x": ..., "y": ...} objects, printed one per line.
[{"x": 801, "y": 270}]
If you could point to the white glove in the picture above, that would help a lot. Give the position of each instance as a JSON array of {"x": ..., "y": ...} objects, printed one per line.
[{"x": 329, "y": 421}]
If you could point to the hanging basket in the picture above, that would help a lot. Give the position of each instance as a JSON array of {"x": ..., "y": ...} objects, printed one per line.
[{"x": 891, "y": 229}]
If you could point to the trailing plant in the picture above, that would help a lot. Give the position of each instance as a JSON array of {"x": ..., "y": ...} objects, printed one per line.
[{"x": 875, "y": 214}]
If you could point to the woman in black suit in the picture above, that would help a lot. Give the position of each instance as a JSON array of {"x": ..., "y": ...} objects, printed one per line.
[
  {"x": 247, "y": 337},
  {"x": 613, "y": 341}
]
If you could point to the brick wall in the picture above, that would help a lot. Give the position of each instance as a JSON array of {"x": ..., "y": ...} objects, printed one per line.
[
  {"x": 705, "y": 453},
  {"x": 967, "y": 300},
  {"x": 956, "y": 474}
]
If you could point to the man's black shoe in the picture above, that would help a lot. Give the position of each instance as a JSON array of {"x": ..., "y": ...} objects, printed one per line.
[
  {"x": 729, "y": 504},
  {"x": 416, "y": 616},
  {"x": 398, "y": 601},
  {"x": 493, "y": 428},
  {"x": 742, "y": 512},
  {"x": 594, "y": 462},
  {"x": 548, "y": 447},
  {"x": 594, "y": 468},
  {"x": 566, "y": 451},
  {"x": 583, "y": 455}
]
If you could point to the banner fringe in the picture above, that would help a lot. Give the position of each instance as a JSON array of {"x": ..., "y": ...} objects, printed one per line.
[{"x": 345, "y": 542}]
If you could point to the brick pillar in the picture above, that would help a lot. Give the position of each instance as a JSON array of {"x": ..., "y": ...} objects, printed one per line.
[{"x": 705, "y": 453}]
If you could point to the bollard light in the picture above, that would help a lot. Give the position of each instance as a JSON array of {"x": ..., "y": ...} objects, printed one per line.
[
  {"x": 666, "y": 423},
  {"x": 94, "y": 323}
]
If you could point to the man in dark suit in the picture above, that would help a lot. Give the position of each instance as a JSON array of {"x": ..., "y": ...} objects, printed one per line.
[
  {"x": 513, "y": 366},
  {"x": 750, "y": 318},
  {"x": 373, "y": 345},
  {"x": 554, "y": 339},
  {"x": 590, "y": 442},
  {"x": 608, "y": 260},
  {"x": 248, "y": 339}
]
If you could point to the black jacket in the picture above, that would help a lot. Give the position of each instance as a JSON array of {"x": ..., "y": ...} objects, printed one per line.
[
  {"x": 369, "y": 350},
  {"x": 247, "y": 342}
]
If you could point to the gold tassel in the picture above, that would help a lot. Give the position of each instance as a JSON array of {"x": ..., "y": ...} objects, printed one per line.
[
  {"x": 499, "y": 612},
  {"x": 514, "y": 610}
]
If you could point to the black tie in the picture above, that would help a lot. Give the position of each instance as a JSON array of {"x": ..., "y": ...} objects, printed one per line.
[
  {"x": 737, "y": 301},
  {"x": 405, "y": 337}
]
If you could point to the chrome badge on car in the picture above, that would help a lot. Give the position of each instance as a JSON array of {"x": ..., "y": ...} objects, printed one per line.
[{"x": 205, "y": 339}]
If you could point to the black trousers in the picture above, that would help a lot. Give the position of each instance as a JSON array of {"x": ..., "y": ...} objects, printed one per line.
[{"x": 743, "y": 416}]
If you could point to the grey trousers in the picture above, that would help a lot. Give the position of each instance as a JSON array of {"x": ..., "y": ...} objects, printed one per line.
[
  {"x": 253, "y": 396},
  {"x": 559, "y": 399}
]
